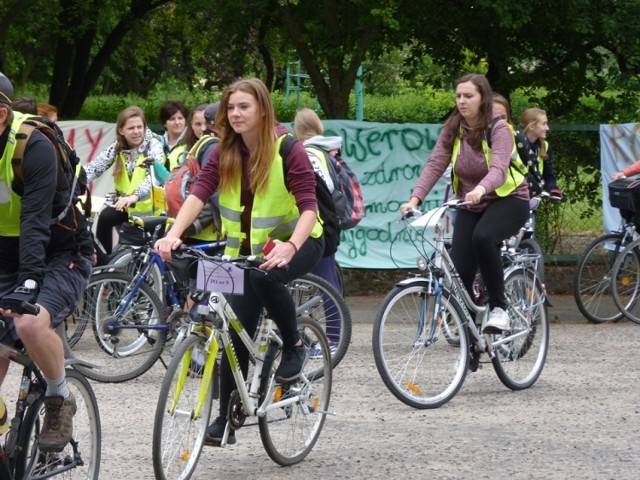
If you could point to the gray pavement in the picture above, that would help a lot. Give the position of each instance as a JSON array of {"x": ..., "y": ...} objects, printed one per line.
[{"x": 580, "y": 420}]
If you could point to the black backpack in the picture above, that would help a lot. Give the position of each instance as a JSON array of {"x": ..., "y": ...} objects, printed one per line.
[{"x": 326, "y": 207}]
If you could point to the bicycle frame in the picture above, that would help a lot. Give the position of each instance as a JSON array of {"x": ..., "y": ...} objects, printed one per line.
[{"x": 444, "y": 272}]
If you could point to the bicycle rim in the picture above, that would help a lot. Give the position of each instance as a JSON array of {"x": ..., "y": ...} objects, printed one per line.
[
  {"x": 626, "y": 281},
  {"x": 289, "y": 432},
  {"x": 80, "y": 458},
  {"x": 519, "y": 361},
  {"x": 123, "y": 346},
  {"x": 316, "y": 298},
  {"x": 178, "y": 431},
  {"x": 421, "y": 358},
  {"x": 592, "y": 279}
]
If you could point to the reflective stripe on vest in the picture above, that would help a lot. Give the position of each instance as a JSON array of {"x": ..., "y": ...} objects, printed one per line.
[
  {"x": 515, "y": 174},
  {"x": 126, "y": 185},
  {"x": 275, "y": 213},
  {"x": 10, "y": 202}
]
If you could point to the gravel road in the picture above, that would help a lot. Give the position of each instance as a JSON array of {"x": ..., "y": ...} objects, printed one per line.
[{"x": 580, "y": 420}]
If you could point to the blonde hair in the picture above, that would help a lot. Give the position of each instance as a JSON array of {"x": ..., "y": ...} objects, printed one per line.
[
  {"x": 529, "y": 119},
  {"x": 307, "y": 124},
  {"x": 230, "y": 153},
  {"x": 121, "y": 143}
]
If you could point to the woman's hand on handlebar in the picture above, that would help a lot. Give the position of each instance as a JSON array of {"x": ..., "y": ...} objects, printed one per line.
[
  {"x": 166, "y": 245},
  {"x": 475, "y": 195},
  {"x": 412, "y": 204},
  {"x": 125, "y": 202},
  {"x": 279, "y": 256}
]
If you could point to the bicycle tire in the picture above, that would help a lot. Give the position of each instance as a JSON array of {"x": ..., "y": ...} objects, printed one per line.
[
  {"x": 592, "y": 279},
  {"x": 626, "y": 287},
  {"x": 316, "y": 298},
  {"x": 418, "y": 368},
  {"x": 84, "y": 451},
  {"x": 129, "y": 347},
  {"x": 290, "y": 433},
  {"x": 178, "y": 433},
  {"x": 519, "y": 362},
  {"x": 530, "y": 246}
]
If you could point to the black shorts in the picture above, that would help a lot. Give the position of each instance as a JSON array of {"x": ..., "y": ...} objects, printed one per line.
[{"x": 65, "y": 278}]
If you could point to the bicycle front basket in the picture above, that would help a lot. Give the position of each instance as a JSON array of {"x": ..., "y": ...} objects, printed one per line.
[{"x": 624, "y": 194}]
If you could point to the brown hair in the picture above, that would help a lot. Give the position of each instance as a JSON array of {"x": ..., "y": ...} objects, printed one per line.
[
  {"x": 454, "y": 123},
  {"x": 230, "y": 154},
  {"x": 121, "y": 142},
  {"x": 501, "y": 100},
  {"x": 47, "y": 110},
  {"x": 307, "y": 124},
  {"x": 529, "y": 118}
]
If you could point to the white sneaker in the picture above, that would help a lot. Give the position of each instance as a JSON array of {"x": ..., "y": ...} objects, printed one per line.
[{"x": 498, "y": 321}]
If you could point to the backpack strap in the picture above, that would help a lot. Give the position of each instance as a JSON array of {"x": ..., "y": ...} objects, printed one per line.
[
  {"x": 490, "y": 129},
  {"x": 22, "y": 137}
]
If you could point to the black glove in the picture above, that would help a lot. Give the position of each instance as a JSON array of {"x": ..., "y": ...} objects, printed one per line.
[
  {"x": 148, "y": 161},
  {"x": 21, "y": 301}
]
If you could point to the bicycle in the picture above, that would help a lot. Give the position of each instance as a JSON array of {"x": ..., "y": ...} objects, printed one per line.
[
  {"x": 21, "y": 457},
  {"x": 131, "y": 324},
  {"x": 594, "y": 279},
  {"x": 625, "y": 281},
  {"x": 425, "y": 337},
  {"x": 290, "y": 416}
]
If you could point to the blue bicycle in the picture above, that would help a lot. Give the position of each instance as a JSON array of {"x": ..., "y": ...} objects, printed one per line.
[{"x": 130, "y": 323}]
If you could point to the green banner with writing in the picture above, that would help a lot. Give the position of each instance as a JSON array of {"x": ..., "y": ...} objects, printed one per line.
[{"x": 387, "y": 159}]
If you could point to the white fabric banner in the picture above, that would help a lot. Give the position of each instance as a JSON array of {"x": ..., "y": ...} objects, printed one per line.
[
  {"x": 619, "y": 148},
  {"x": 89, "y": 138}
]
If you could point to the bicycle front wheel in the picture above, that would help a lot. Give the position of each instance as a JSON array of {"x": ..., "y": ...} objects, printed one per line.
[
  {"x": 520, "y": 353},
  {"x": 592, "y": 279},
  {"x": 316, "y": 298},
  {"x": 422, "y": 354},
  {"x": 183, "y": 411},
  {"x": 297, "y": 411},
  {"x": 129, "y": 327},
  {"x": 626, "y": 281},
  {"x": 80, "y": 458}
]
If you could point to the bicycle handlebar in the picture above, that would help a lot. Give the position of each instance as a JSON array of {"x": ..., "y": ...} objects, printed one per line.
[{"x": 19, "y": 306}]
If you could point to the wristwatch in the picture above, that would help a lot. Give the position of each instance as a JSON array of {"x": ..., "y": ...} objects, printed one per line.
[{"x": 30, "y": 284}]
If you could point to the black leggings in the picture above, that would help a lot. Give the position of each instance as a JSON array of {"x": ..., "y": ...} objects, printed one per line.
[
  {"x": 109, "y": 218},
  {"x": 476, "y": 243},
  {"x": 268, "y": 290}
]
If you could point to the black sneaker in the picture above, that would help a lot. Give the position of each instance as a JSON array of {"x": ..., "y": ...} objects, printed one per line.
[
  {"x": 293, "y": 360},
  {"x": 215, "y": 432}
]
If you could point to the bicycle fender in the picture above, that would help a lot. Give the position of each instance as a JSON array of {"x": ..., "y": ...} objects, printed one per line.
[{"x": 420, "y": 281}]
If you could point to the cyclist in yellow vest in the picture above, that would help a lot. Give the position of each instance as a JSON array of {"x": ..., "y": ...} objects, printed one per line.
[
  {"x": 173, "y": 116},
  {"x": 134, "y": 149},
  {"x": 534, "y": 126},
  {"x": 44, "y": 262},
  {"x": 261, "y": 197},
  {"x": 498, "y": 194}
]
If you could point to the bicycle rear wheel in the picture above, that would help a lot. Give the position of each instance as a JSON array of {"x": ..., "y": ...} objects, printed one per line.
[
  {"x": 130, "y": 260},
  {"x": 530, "y": 246},
  {"x": 626, "y": 288},
  {"x": 520, "y": 353},
  {"x": 289, "y": 432},
  {"x": 316, "y": 298},
  {"x": 129, "y": 327},
  {"x": 422, "y": 358},
  {"x": 592, "y": 279},
  {"x": 80, "y": 458},
  {"x": 182, "y": 414}
]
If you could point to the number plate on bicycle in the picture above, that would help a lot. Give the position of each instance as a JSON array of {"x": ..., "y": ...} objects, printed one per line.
[{"x": 220, "y": 277}]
